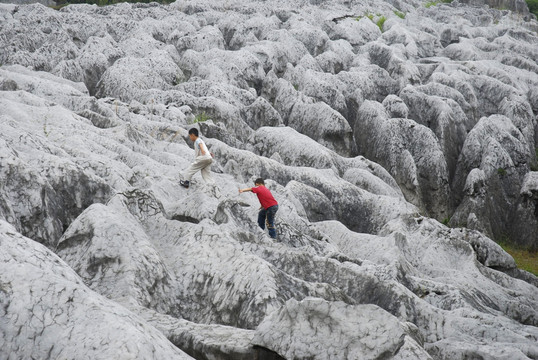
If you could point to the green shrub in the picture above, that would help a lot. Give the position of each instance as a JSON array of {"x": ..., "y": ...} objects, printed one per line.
[
  {"x": 399, "y": 14},
  {"x": 380, "y": 22},
  {"x": 201, "y": 117},
  {"x": 533, "y": 6},
  {"x": 429, "y": 4}
]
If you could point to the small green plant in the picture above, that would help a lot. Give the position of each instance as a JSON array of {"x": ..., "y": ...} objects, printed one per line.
[
  {"x": 429, "y": 4},
  {"x": 296, "y": 87},
  {"x": 445, "y": 221},
  {"x": 358, "y": 18},
  {"x": 399, "y": 14},
  {"x": 526, "y": 259},
  {"x": 201, "y": 117},
  {"x": 501, "y": 171},
  {"x": 380, "y": 22},
  {"x": 370, "y": 16}
]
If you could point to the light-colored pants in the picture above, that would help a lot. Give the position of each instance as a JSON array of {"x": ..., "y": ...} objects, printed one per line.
[{"x": 202, "y": 164}]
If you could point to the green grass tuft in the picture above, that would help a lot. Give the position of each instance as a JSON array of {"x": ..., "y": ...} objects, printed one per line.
[
  {"x": 380, "y": 22},
  {"x": 429, "y": 4},
  {"x": 399, "y": 14},
  {"x": 201, "y": 117},
  {"x": 501, "y": 171},
  {"x": 525, "y": 259}
]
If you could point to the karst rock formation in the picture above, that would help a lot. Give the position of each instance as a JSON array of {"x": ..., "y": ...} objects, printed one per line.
[{"x": 399, "y": 137}]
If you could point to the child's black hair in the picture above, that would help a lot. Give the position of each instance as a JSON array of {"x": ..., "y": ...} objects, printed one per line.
[
  {"x": 259, "y": 181},
  {"x": 193, "y": 131}
]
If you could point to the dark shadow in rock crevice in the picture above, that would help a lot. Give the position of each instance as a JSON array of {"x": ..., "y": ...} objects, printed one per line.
[{"x": 185, "y": 218}]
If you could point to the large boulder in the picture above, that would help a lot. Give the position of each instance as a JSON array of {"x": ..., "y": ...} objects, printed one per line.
[
  {"x": 495, "y": 157},
  {"x": 399, "y": 145},
  {"x": 363, "y": 332},
  {"x": 52, "y": 306}
]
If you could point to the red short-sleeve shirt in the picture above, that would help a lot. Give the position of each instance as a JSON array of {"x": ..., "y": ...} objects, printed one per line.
[{"x": 264, "y": 195}]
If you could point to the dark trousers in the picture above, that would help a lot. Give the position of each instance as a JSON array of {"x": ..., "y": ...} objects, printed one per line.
[{"x": 268, "y": 216}]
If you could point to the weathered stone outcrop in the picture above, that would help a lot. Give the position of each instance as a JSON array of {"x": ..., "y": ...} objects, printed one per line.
[
  {"x": 48, "y": 312},
  {"x": 371, "y": 122}
]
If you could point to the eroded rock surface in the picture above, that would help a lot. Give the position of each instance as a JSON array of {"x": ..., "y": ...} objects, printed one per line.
[{"x": 372, "y": 122}]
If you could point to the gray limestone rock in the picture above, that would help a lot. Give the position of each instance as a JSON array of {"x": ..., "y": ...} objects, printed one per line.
[
  {"x": 47, "y": 311},
  {"x": 399, "y": 145},
  {"x": 495, "y": 157},
  {"x": 316, "y": 320},
  {"x": 395, "y": 107},
  {"x": 95, "y": 105},
  {"x": 514, "y": 5},
  {"x": 199, "y": 340}
]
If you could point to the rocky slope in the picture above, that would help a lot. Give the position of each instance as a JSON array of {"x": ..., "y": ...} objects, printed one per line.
[{"x": 372, "y": 122}]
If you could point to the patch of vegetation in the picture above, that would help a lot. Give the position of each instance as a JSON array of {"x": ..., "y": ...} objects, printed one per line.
[
  {"x": 380, "y": 22},
  {"x": 501, "y": 171},
  {"x": 201, "y": 117},
  {"x": 429, "y": 4},
  {"x": 445, "y": 221},
  {"x": 61, "y": 3},
  {"x": 399, "y": 14},
  {"x": 525, "y": 259},
  {"x": 533, "y": 6}
]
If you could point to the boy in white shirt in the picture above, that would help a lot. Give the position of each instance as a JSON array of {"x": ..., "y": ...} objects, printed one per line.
[{"x": 202, "y": 160}]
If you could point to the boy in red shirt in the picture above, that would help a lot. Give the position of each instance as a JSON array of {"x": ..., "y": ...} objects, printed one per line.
[{"x": 269, "y": 206}]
